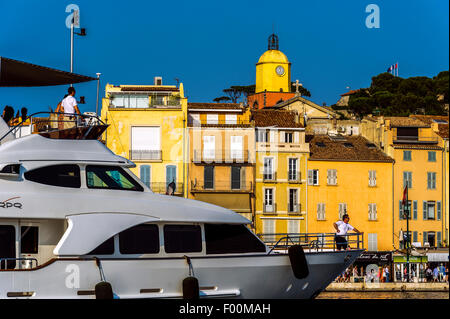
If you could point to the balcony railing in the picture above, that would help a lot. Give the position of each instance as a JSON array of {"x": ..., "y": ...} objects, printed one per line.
[
  {"x": 211, "y": 186},
  {"x": 151, "y": 155},
  {"x": 270, "y": 177},
  {"x": 270, "y": 209},
  {"x": 294, "y": 208},
  {"x": 165, "y": 103},
  {"x": 162, "y": 188},
  {"x": 221, "y": 156},
  {"x": 310, "y": 241},
  {"x": 294, "y": 178},
  {"x": 415, "y": 139}
]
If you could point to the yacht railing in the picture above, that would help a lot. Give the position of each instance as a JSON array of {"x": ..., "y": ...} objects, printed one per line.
[
  {"x": 4, "y": 262},
  {"x": 56, "y": 121},
  {"x": 310, "y": 241}
]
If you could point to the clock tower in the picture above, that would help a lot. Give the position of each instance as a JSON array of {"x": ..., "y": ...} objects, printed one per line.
[{"x": 273, "y": 70}]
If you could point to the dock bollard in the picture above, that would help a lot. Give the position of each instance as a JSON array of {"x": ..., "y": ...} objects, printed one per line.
[{"x": 298, "y": 261}]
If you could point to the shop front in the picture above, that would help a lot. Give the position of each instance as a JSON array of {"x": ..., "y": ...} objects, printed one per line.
[
  {"x": 417, "y": 267},
  {"x": 375, "y": 262}
]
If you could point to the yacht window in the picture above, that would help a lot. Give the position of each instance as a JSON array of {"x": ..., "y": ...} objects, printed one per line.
[
  {"x": 7, "y": 246},
  {"x": 227, "y": 239},
  {"x": 110, "y": 177},
  {"x": 56, "y": 175},
  {"x": 182, "y": 238},
  {"x": 106, "y": 248},
  {"x": 29, "y": 240},
  {"x": 141, "y": 239}
]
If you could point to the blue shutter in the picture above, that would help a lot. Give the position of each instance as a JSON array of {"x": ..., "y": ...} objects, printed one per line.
[
  {"x": 171, "y": 174},
  {"x": 428, "y": 180},
  {"x": 400, "y": 210},
  {"x": 405, "y": 178},
  {"x": 415, "y": 210},
  {"x": 438, "y": 208},
  {"x": 145, "y": 174},
  {"x": 425, "y": 237},
  {"x": 424, "y": 210},
  {"x": 438, "y": 241},
  {"x": 415, "y": 237}
]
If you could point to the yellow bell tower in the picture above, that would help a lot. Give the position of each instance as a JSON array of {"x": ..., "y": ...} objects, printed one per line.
[{"x": 273, "y": 70}]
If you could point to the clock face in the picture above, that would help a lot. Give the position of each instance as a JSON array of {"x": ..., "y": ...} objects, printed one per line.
[{"x": 280, "y": 70}]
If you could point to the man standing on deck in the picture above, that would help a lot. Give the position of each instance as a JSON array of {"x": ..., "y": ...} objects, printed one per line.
[
  {"x": 342, "y": 227},
  {"x": 69, "y": 104}
]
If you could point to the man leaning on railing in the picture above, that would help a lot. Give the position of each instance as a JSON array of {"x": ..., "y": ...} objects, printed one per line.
[
  {"x": 342, "y": 227},
  {"x": 69, "y": 106}
]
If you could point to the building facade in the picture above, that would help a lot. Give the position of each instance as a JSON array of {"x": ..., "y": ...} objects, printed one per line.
[{"x": 147, "y": 125}]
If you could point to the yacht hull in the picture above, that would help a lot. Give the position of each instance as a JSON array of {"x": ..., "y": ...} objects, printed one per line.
[{"x": 243, "y": 276}]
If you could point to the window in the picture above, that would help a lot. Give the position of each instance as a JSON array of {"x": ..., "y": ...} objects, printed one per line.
[
  {"x": 29, "y": 239},
  {"x": 145, "y": 171},
  {"x": 106, "y": 248},
  {"x": 230, "y": 119},
  {"x": 171, "y": 175},
  {"x": 407, "y": 155},
  {"x": 293, "y": 226},
  {"x": 236, "y": 148},
  {"x": 332, "y": 177},
  {"x": 269, "y": 228},
  {"x": 212, "y": 119},
  {"x": 209, "y": 177},
  {"x": 321, "y": 211},
  {"x": 209, "y": 147},
  {"x": 428, "y": 210},
  {"x": 404, "y": 210},
  {"x": 140, "y": 239},
  {"x": 229, "y": 239},
  {"x": 342, "y": 209},
  {"x": 372, "y": 211},
  {"x": 110, "y": 177},
  {"x": 288, "y": 137},
  {"x": 293, "y": 169},
  {"x": 438, "y": 210},
  {"x": 57, "y": 175},
  {"x": 408, "y": 133},
  {"x": 262, "y": 135},
  {"x": 313, "y": 177},
  {"x": 407, "y": 179},
  {"x": 7, "y": 246},
  {"x": 373, "y": 242},
  {"x": 372, "y": 178},
  {"x": 269, "y": 206},
  {"x": 431, "y": 180},
  {"x": 194, "y": 119},
  {"x": 145, "y": 143},
  {"x": 130, "y": 101},
  {"x": 235, "y": 177},
  {"x": 430, "y": 238},
  {"x": 431, "y": 156},
  {"x": 182, "y": 238},
  {"x": 268, "y": 169},
  {"x": 293, "y": 205}
]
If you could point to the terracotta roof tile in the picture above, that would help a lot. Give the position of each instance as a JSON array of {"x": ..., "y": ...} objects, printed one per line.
[
  {"x": 443, "y": 130},
  {"x": 416, "y": 146},
  {"x": 276, "y": 118},
  {"x": 346, "y": 148},
  {"x": 428, "y": 119},
  {"x": 403, "y": 121}
]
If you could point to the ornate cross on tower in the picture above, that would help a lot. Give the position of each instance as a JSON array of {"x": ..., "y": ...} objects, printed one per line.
[{"x": 297, "y": 85}]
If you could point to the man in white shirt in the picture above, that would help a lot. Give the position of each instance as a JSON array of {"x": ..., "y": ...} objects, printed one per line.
[
  {"x": 69, "y": 105},
  {"x": 342, "y": 227}
]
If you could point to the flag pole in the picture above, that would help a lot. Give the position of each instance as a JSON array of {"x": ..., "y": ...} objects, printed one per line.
[{"x": 408, "y": 208}]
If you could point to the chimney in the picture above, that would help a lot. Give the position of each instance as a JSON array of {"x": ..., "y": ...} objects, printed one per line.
[{"x": 157, "y": 80}]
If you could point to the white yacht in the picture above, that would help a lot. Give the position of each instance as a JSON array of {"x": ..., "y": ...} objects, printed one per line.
[{"x": 75, "y": 222}]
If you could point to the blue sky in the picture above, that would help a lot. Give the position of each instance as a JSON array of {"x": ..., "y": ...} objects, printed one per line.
[{"x": 210, "y": 45}]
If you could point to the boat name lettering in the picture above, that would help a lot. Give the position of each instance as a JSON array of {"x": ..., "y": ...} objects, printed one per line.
[{"x": 8, "y": 204}]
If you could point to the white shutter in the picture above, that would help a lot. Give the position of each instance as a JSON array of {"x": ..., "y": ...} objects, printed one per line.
[
  {"x": 212, "y": 119},
  {"x": 272, "y": 136},
  {"x": 282, "y": 137},
  {"x": 230, "y": 119},
  {"x": 145, "y": 138},
  {"x": 296, "y": 137},
  {"x": 209, "y": 145},
  {"x": 329, "y": 177},
  {"x": 335, "y": 177},
  {"x": 236, "y": 147},
  {"x": 310, "y": 177}
]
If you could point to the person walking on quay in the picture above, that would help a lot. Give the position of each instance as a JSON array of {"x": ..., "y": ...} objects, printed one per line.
[
  {"x": 386, "y": 273},
  {"x": 441, "y": 273},
  {"x": 436, "y": 274},
  {"x": 429, "y": 274},
  {"x": 342, "y": 227}
]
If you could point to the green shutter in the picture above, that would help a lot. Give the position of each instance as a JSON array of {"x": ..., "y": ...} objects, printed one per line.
[
  {"x": 438, "y": 208},
  {"x": 425, "y": 237},
  {"x": 405, "y": 178},
  {"x": 438, "y": 241},
  {"x": 424, "y": 210},
  {"x": 415, "y": 237},
  {"x": 415, "y": 210},
  {"x": 428, "y": 180}
]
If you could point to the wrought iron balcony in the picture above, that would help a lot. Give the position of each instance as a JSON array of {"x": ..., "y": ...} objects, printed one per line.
[
  {"x": 162, "y": 188},
  {"x": 294, "y": 208},
  {"x": 221, "y": 156},
  {"x": 212, "y": 186},
  {"x": 152, "y": 155},
  {"x": 270, "y": 177},
  {"x": 294, "y": 177},
  {"x": 415, "y": 139},
  {"x": 269, "y": 209}
]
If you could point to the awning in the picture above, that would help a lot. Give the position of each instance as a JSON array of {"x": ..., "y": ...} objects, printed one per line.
[
  {"x": 18, "y": 73},
  {"x": 436, "y": 257}
]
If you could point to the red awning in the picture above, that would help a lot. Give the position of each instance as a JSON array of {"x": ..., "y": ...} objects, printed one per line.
[{"x": 18, "y": 73}]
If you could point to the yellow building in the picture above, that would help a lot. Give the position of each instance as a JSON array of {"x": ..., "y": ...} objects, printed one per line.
[
  {"x": 418, "y": 164},
  {"x": 147, "y": 125},
  {"x": 221, "y": 156},
  {"x": 348, "y": 174},
  {"x": 281, "y": 157}
]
